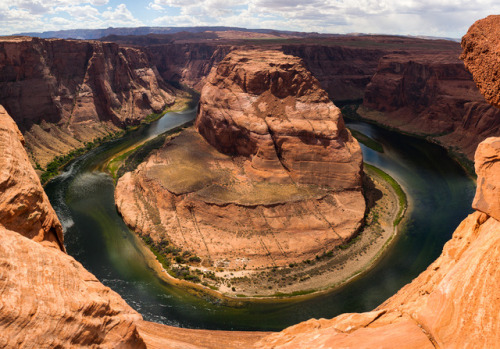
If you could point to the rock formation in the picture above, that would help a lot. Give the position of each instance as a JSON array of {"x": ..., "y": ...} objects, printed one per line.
[
  {"x": 24, "y": 206},
  {"x": 453, "y": 304},
  {"x": 63, "y": 93},
  {"x": 480, "y": 55},
  {"x": 273, "y": 176},
  {"x": 266, "y": 106},
  {"x": 47, "y": 299}
]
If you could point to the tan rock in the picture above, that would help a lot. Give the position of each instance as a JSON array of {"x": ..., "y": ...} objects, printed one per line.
[
  {"x": 24, "y": 206},
  {"x": 265, "y": 105},
  {"x": 273, "y": 179},
  {"x": 480, "y": 55},
  {"x": 64, "y": 93},
  {"x": 48, "y": 300},
  {"x": 487, "y": 163}
]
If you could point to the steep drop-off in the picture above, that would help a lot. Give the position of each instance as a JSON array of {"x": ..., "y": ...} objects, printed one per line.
[
  {"x": 431, "y": 95},
  {"x": 273, "y": 177},
  {"x": 24, "y": 206},
  {"x": 64, "y": 93},
  {"x": 47, "y": 299}
]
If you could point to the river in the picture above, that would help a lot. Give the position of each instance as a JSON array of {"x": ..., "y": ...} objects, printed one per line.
[{"x": 440, "y": 195}]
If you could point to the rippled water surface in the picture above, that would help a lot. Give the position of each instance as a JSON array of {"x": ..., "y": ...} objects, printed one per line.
[{"x": 96, "y": 236}]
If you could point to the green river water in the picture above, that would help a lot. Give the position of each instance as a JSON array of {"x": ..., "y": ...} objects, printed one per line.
[{"x": 440, "y": 196}]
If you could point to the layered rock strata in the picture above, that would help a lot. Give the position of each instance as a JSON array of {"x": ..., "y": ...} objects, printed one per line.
[
  {"x": 430, "y": 95},
  {"x": 47, "y": 299},
  {"x": 64, "y": 93},
  {"x": 24, "y": 206},
  {"x": 453, "y": 304},
  {"x": 272, "y": 177}
]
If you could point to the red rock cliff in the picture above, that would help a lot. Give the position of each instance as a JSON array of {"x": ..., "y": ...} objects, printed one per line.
[
  {"x": 62, "y": 93},
  {"x": 24, "y": 206},
  {"x": 266, "y": 106},
  {"x": 431, "y": 95},
  {"x": 47, "y": 299}
]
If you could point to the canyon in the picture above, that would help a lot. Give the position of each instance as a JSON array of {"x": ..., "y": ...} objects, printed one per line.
[
  {"x": 63, "y": 94},
  {"x": 454, "y": 303},
  {"x": 269, "y": 177},
  {"x": 382, "y": 73}
]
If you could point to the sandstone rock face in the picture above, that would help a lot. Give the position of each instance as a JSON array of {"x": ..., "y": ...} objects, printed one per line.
[
  {"x": 487, "y": 163},
  {"x": 271, "y": 178},
  {"x": 265, "y": 105},
  {"x": 432, "y": 95},
  {"x": 480, "y": 55},
  {"x": 24, "y": 206},
  {"x": 48, "y": 300},
  {"x": 453, "y": 304},
  {"x": 62, "y": 93}
]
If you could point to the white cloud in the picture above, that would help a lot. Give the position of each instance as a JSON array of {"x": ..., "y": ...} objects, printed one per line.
[
  {"x": 44, "y": 15},
  {"x": 417, "y": 17}
]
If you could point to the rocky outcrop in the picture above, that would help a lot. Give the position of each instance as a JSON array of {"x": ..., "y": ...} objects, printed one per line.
[
  {"x": 487, "y": 197},
  {"x": 453, "y": 304},
  {"x": 272, "y": 176},
  {"x": 480, "y": 55},
  {"x": 430, "y": 95},
  {"x": 266, "y": 106},
  {"x": 47, "y": 299},
  {"x": 63, "y": 93},
  {"x": 24, "y": 206}
]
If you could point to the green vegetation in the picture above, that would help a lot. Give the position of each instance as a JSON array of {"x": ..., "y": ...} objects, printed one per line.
[
  {"x": 369, "y": 142},
  {"x": 60, "y": 161},
  {"x": 397, "y": 188},
  {"x": 130, "y": 160}
]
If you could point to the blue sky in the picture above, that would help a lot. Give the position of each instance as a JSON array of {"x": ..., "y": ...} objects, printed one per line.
[{"x": 446, "y": 18}]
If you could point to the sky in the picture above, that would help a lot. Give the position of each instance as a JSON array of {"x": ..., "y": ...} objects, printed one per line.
[{"x": 442, "y": 18}]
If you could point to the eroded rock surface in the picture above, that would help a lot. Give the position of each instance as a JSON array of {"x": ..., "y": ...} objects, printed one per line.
[
  {"x": 453, "y": 304},
  {"x": 273, "y": 176},
  {"x": 266, "y": 106},
  {"x": 47, "y": 299},
  {"x": 63, "y": 93},
  {"x": 24, "y": 206},
  {"x": 480, "y": 55}
]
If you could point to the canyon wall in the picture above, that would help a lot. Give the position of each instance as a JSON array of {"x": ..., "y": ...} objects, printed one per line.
[
  {"x": 64, "y": 93},
  {"x": 430, "y": 95},
  {"x": 47, "y": 298},
  {"x": 414, "y": 85}
]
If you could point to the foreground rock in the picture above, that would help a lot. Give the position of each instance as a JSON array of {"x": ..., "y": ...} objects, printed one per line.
[
  {"x": 24, "y": 206},
  {"x": 480, "y": 55},
  {"x": 47, "y": 299},
  {"x": 273, "y": 177},
  {"x": 453, "y": 304},
  {"x": 64, "y": 93}
]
